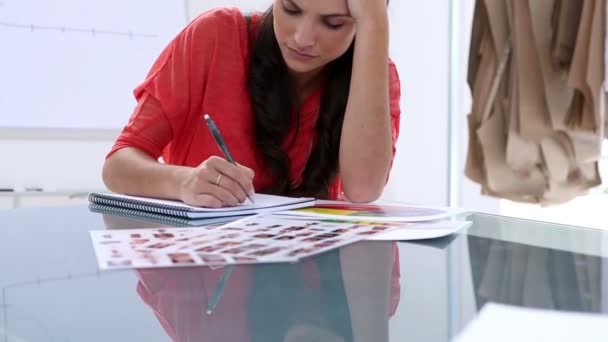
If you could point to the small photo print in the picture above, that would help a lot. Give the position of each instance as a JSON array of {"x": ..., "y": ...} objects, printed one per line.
[
  {"x": 217, "y": 247},
  {"x": 229, "y": 236},
  {"x": 294, "y": 228},
  {"x": 285, "y": 237},
  {"x": 209, "y": 249},
  {"x": 358, "y": 226},
  {"x": 368, "y": 232},
  {"x": 328, "y": 235},
  {"x": 261, "y": 230},
  {"x": 139, "y": 241},
  {"x": 236, "y": 250},
  {"x": 200, "y": 242},
  {"x": 327, "y": 243},
  {"x": 264, "y": 236},
  {"x": 254, "y": 246},
  {"x": 300, "y": 251},
  {"x": 321, "y": 237},
  {"x": 340, "y": 231},
  {"x": 240, "y": 258},
  {"x": 161, "y": 245},
  {"x": 241, "y": 249},
  {"x": 267, "y": 251},
  {"x": 181, "y": 258},
  {"x": 212, "y": 258},
  {"x": 164, "y": 236}
]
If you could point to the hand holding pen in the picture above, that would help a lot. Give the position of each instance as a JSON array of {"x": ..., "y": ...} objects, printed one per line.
[{"x": 218, "y": 182}]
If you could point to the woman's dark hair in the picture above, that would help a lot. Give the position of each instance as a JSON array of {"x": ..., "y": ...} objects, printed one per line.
[{"x": 274, "y": 100}]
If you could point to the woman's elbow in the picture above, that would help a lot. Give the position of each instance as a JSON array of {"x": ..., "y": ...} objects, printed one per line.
[
  {"x": 108, "y": 174},
  {"x": 363, "y": 194}
]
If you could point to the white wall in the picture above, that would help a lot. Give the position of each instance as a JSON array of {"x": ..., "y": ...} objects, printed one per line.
[
  {"x": 53, "y": 164},
  {"x": 419, "y": 46}
]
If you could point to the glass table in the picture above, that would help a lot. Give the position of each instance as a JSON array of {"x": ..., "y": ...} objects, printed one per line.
[{"x": 52, "y": 290}]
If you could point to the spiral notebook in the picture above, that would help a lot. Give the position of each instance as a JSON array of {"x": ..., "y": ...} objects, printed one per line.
[{"x": 263, "y": 204}]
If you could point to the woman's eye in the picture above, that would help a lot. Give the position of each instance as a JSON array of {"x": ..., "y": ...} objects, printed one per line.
[
  {"x": 333, "y": 26},
  {"x": 290, "y": 11}
]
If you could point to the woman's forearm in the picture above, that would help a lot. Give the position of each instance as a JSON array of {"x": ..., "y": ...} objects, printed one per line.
[
  {"x": 133, "y": 172},
  {"x": 366, "y": 144}
]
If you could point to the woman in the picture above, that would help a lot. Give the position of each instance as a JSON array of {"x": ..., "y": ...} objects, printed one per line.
[{"x": 303, "y": 109}]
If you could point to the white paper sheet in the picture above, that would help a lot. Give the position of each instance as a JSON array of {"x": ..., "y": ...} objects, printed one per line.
[
  {"x": 423, "y": 231},
  {"x": 378, "y": 212}
]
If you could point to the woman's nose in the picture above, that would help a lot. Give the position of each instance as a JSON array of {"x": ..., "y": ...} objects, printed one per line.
[{"x": 304, "y": 35}]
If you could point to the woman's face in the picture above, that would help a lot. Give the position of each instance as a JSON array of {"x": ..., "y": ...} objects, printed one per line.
[{"x": 312, "y": 33}]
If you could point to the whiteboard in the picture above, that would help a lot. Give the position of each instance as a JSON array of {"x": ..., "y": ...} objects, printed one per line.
[{"x": 73, "y": 64}]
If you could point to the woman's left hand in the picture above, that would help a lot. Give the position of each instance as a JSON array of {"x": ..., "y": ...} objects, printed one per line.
[{"x": 362, "y": 9}]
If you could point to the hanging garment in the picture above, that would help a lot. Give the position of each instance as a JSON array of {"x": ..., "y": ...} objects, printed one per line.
[{"x": 537, "y": 77}]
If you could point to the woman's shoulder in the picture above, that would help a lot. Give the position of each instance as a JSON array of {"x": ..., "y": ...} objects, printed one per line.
[
  {"x": 221, "y": 19},
  {"x": 219, "y": 15},
  {"x": 223, "y": 26}
]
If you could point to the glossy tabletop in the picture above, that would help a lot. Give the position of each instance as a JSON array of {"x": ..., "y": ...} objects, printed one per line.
[{"x": 52, "y": 290}]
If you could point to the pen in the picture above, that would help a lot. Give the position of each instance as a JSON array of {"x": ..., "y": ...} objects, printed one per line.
[
  {"x": 220, "y": 142},
  {"x": 219, "y": 290}
]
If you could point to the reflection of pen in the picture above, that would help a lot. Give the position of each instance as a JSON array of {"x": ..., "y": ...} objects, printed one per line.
[
  {"x": 219, "y": 290},
  {"x": 220, "y": 142}
]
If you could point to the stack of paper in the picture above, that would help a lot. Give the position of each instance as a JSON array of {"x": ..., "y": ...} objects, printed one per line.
[
  {"x": 266, "y": 238},
  {"x": 286, "y": 236},
  {"x": 431, "y": 222}
]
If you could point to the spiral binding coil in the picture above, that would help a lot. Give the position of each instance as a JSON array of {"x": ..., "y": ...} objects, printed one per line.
[{"x": 163, "y": 209}]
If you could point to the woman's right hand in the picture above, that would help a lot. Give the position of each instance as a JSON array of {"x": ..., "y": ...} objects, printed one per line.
[{"x": 216, "y": 183}]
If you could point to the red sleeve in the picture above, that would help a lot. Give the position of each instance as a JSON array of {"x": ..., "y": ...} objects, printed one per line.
[
  {"x": 394, "y": 91},
  {"x": 175, "y": 86}
]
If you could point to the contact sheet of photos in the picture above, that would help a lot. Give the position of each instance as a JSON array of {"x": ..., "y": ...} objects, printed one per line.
[{"x": 266, "y": 238}]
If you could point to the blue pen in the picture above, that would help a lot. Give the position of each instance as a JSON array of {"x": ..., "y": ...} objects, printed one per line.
[
  {"x": 219, "y": 290},
  {"x": 220, "y": 142}
]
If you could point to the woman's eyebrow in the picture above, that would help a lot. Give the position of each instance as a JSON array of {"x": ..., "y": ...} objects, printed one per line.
[
  {"x": 325, "y": 16},
  {"x": 292, "y": 3}
]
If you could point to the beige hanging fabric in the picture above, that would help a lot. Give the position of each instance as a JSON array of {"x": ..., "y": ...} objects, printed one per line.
[{"x": 537, "y": 77}]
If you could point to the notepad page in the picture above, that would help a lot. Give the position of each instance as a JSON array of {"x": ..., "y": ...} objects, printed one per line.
[{"x": 261, "y": 201}]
